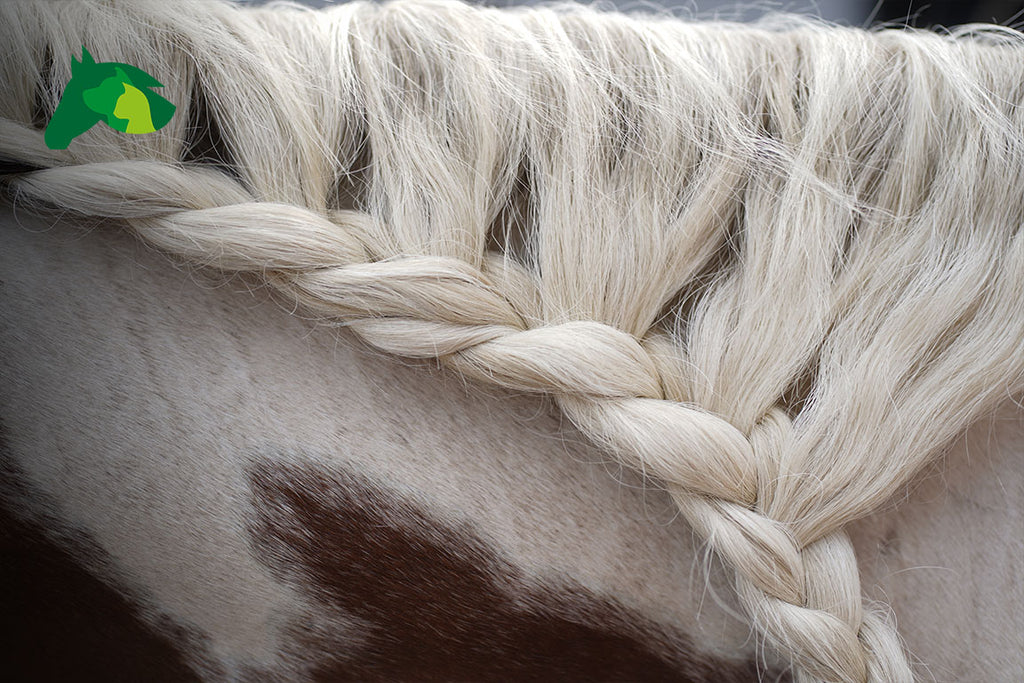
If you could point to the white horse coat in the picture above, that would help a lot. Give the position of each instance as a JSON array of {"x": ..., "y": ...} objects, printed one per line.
[{"x": 199, "y": 485}]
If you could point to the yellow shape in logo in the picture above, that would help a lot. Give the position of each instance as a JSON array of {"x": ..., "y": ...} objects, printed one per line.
[{"x": 133, "y": 107}]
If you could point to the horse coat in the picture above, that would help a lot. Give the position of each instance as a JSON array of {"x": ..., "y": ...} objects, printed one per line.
[{"x": 198, "y": 485}]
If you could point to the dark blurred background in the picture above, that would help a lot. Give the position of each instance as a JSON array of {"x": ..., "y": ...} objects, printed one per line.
[{"x": 850, "y": 12}]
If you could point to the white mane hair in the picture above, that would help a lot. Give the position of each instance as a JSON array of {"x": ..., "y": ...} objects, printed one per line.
[{"x": 778, "y": 266}]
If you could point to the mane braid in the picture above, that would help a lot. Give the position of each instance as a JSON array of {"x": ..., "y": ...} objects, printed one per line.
[{"x": 777, "y": 266}]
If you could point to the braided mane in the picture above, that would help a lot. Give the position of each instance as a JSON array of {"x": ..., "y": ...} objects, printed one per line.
[{"x": 778, "y": 267}]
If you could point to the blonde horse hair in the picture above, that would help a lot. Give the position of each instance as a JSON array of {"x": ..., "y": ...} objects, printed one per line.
[{"x": 776, "y": 266}]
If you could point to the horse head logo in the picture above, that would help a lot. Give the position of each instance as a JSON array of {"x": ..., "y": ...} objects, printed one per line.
[{"x": 117, "y": 94}]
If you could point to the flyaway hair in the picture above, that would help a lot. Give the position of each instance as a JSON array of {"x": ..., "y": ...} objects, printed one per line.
[{"x": 778, "y": 267}]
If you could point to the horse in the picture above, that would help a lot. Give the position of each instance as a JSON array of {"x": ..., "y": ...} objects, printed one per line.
[
  {"x": 766, "y": 275},
  {"x": 199, "y": 484}
]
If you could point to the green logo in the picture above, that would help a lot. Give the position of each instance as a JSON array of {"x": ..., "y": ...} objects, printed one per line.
[{"x": 117, "y": 94}]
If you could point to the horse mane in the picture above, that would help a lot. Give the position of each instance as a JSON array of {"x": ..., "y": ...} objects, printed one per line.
[{"x": 777, "y": 266}]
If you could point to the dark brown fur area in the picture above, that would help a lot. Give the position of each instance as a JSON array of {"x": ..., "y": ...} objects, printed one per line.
[
  {"x": 61, "y": 622},
  {"x": 440, "y": 603}
]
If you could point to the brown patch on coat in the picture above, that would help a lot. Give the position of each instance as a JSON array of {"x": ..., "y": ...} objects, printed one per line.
[
  {"x": 62, "y": 623},
  {"x": 440, "y": 603}
]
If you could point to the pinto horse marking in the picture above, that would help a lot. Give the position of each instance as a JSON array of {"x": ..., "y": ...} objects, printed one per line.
[
  {"x": 63, "y": 621},
  {"x": 437, "y": 602},
  {"x": 237, "y": 495},
  {"x": 156, "y": 419}
]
